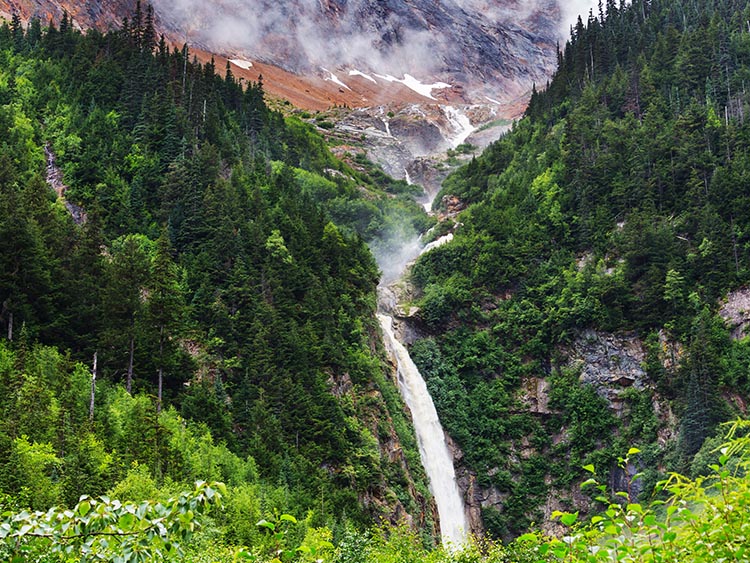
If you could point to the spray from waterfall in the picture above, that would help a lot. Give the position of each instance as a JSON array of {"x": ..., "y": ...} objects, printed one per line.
[
  {"x": 436, "y": 457},
  {"x": 433, "y": 448}
]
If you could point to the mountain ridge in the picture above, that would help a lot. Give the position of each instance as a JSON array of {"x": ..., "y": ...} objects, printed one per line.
[{"x": 357, "y": 53}]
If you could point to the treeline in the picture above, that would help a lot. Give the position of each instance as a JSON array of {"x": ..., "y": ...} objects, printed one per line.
[
  {"x": 208, "y": 262},
  {"x": 618, "y": 203}
]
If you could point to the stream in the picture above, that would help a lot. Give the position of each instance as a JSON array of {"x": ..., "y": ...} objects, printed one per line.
[{"x": 436, "y": 457}]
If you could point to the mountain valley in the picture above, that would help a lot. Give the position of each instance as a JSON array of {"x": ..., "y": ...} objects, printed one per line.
[{"x": 292, "y": 263}]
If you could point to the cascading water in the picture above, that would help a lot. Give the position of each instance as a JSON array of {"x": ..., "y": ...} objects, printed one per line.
[
  {"x": 436, "y": 458},
  {"x": 433, "y": 449}
]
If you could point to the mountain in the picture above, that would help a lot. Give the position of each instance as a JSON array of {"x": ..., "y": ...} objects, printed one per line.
[
  {"x": 478, "y": 47},
  {"x": 186, "y": 292},
  {"x": 356, "y": 52},
  {"x": 593, "y": 297}
]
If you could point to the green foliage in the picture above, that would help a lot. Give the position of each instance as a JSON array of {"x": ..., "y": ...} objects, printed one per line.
[
  {"x": 700, "y": 519},
  {"x": 211, "y": 254},
  {"x": 32, "y": 467},
  {"x": 108, "y": 530},
  {"x": 615, "y": 205}
]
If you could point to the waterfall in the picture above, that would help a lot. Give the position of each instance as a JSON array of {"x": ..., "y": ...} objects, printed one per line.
[
  {"x": 433, "y": 450},
  {"x": 460, "y": 124},
  {"x": 436, "y": 458}
]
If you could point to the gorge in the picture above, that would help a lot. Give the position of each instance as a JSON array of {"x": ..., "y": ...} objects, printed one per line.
[{"x": 576, "y": 308}]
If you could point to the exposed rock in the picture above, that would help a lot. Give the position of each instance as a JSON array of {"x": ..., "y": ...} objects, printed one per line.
[
  {"x": 428, "y": 173},
  {"x": 668, "y": 428},
  {"x": 451, "y": 206},
  {"x": 610, "y": 363},
  {"x": 535, "y": 395},
  {"x": 410, "y": 141},
  {"x": 420, "y": 135},
  {"x": 735, "y": 310},
  {"x": 671, "y": 351},
  {"x": 563, "y": 501},
  {"x": 475, "y": 497},
  {"x": 340, "y": 385},
  {"x": 478, "y": 49},
  {"x": 55, "y": 181}
]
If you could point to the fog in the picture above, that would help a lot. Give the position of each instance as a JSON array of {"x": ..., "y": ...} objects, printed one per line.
[
  {"x": 302, "y": 34},
  {"x": 571, "y": 11},
  {"x": 388, "y": 36}
]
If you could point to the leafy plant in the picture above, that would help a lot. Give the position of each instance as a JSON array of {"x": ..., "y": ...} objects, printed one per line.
[{"x": 108, "y": 530}]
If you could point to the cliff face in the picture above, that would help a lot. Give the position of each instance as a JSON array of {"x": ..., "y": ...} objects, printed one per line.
[
  {"x": 85, "y": 15},
  {"x": 368, "y": 51},
  {"x": 492, "y": 48}
]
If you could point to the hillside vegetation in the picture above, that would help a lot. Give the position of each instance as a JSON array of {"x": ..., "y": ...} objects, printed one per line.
[
  {"x": 208, "y": 265},
  {"x": 221, "y": 285},
  {"x": 619, "y": 203}
]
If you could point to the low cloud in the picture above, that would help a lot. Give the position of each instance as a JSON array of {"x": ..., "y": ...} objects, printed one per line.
[
  {"x": 385, "y": 37},
  {"x": 571, "y": 11}
]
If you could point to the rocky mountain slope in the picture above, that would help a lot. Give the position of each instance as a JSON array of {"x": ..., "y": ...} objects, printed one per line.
[{"x": 357, "y": 52}]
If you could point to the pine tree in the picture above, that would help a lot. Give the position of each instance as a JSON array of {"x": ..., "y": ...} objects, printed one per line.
[
  {"x": 167, "y": 310},
  {"x": 16, "y": 28},
  {"x": 148, "y": 35},
  {"x": 127, "y": 276}
]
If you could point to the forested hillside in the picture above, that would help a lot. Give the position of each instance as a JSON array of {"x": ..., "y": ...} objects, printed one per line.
[
  {"x": 197, "y": 303},
  {"x": 619, "y": 204},
  {"x": 206, "y": 262}
]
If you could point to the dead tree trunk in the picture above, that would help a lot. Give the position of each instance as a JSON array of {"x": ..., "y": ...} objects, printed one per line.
[
  {"x": 93, "y": 390},
  {"x": 161, "y": 369}
]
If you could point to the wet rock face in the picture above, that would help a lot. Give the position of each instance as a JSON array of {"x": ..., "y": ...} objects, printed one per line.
[
  {"x": 421, "y": 136},
  {"x": 735, "y": 310},
  {"x": 610, "y": 363}
]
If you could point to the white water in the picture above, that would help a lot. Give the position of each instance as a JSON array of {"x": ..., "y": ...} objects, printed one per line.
[
  {"x": 387, "y": 125},
  {"x": 460, "y": 123},
  {"x": 437, "y": 242},
  {"x": 436, "y": 458}
]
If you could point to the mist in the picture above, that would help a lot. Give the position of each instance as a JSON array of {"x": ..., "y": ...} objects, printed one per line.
[
  {"x": 421, "y": 38},
  {"x": 572, "y": 9}
]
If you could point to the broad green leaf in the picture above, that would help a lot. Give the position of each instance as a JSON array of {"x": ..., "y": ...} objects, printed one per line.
[
  {"x": 84, "y": 507},
  {"x": 569, "y": 519}
]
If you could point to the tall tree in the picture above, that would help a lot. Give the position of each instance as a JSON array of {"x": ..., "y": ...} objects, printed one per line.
[
  {"x": 166, "y": 306},
  {"x": 127, "y": 275}
]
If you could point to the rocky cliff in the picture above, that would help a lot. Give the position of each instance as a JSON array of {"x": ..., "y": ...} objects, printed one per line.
[{"x": 357, "y": 52}]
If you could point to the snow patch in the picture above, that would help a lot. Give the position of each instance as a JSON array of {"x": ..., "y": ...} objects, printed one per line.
[
  {"x": 494, "y": 101},
  {"x": 363, "y": 75},
  {"x": 335, "y": 79},
  {"x": 413, "y": 84},
  {"x": 245, "y": 65}
]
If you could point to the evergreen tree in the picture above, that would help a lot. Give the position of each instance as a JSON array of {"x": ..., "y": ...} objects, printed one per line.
[{"x": 166, "y": 307}]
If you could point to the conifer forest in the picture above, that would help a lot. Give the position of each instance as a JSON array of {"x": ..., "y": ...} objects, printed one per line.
[{"x": 191, "y": 366}]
